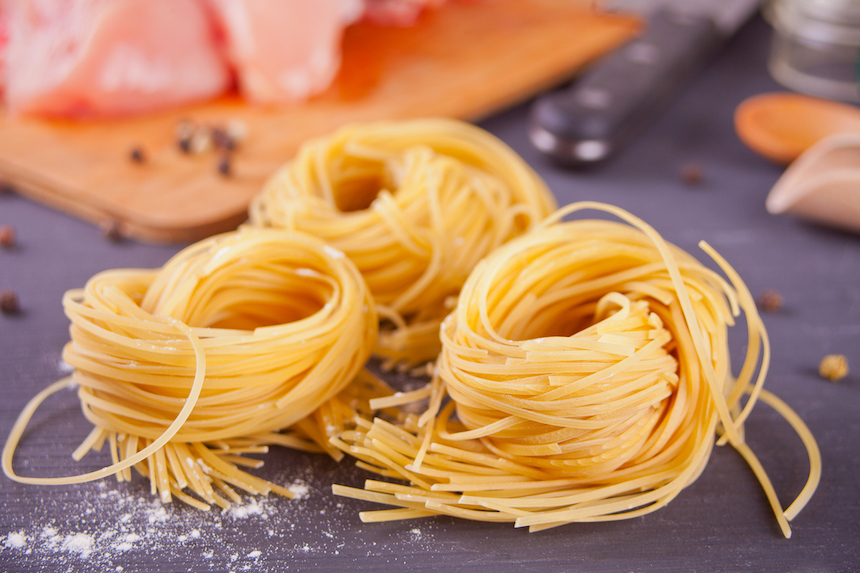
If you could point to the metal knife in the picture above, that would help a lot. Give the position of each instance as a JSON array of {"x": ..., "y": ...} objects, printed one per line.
[{"x": 606, "y": 107}]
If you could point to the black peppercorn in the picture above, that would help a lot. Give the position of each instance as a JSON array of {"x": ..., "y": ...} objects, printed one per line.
[
  {"x": 137, "y": 155},
  {"x": 111, "y": 230},
  {"x": 770, "y": 300},
  {"x": 225, "y": 168},
  {"x": 9, "y": 302},
  {"x": 222, "y": 139},
  {"x": 8, "y": 238},
  {"x": 692, "y": 174}
]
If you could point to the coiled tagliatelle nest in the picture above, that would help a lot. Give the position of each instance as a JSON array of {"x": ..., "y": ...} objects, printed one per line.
[
  {"x": 185, "y": 368},
  {"x": 587, "y": 364},
  {"x": 415, "y": 204}
]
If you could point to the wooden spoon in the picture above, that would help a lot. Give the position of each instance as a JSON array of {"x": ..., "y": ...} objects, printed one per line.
[
  {"x": 823, "y": 185},
  {"x": 781, "y": 126}
]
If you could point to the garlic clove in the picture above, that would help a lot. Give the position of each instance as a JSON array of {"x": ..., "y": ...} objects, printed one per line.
[{"x": 823, "y": 184}]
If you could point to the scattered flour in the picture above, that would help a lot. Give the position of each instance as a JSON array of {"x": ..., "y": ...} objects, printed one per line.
[
  {"x": 299, "y": 489},
  {"x": 157, "y": 513},
  {"x": 49, "y": 532},
  {"x": 15, "y": 540},
  {"x": 253, "y": 507},
  {"x": 112, "y": 525},
  {"x": 80, "y": 543}
]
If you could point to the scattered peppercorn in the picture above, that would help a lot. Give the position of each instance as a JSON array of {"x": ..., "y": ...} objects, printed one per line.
[
  {"x": 692, "y": 174},
  {"x": 111, "y": 230},
  {"x": 9, "y": 302},
  {"x": 137, "y": 155},
  {"x": 184, "y": 132},
  {"x": 197, "y": 139},
  {"x": 8, "y": 239},
  {"x": 833, "y": 367},
  {"x": 222, "y": 140},
  {"x": 770, "y": 300},
  {"x": 225, "y": 168}
]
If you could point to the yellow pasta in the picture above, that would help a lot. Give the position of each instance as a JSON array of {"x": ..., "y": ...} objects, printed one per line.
[
  {"x": 184, "y": 369},
  {"x": 588, "y": 367},
  {"x": 415, "y": 204}
]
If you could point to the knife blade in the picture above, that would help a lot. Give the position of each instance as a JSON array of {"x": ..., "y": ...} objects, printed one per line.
[{"x": 614, "y": 100}]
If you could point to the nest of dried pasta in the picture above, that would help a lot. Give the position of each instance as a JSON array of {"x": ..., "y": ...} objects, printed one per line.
[
  {"x": 587, "y": 376},
  {"x": 240, "y": 341},
  {"x": 415, "y": 205}
]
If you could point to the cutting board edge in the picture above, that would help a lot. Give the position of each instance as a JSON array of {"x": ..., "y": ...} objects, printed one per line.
[{"x": 143, "y": 231}]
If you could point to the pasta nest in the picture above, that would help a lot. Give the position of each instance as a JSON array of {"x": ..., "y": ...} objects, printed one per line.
[
  {"x": 415, "y": 204},
  {"x": 185, "y": 368},
  {"x": 285, "y": 323},
  {"x": 587, "y": 366},
  {"x": 570, "y": 353}
]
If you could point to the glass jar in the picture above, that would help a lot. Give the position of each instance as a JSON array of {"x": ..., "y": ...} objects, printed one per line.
[{"x": 816, "y": 46}]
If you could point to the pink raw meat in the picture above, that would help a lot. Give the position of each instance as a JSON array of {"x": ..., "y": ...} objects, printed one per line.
[
  {"x": 284, "y": 51},
  {"x": 397, "y": 12},
  {"x": 4, "y": 38},
  {"x": 87, "y": 58}
]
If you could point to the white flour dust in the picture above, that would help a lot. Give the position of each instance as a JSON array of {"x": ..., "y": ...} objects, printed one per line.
[
  {"x": 111, "y": 527},
  {"x": 15, "y": 540},
  {"x": 120, "y": 525}
]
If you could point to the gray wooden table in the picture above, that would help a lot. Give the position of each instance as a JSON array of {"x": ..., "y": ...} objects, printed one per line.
[{"x": 720, "y": 523}]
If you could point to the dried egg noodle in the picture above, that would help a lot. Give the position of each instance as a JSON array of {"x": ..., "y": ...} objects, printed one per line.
[
  {"x": 415, "y": 204},
  {"x": 588, "y": 366},
  {"x": 185, "y": 368}
]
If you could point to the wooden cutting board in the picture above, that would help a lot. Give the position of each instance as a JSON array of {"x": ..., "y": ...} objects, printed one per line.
[{"x": 466, "y": 60}]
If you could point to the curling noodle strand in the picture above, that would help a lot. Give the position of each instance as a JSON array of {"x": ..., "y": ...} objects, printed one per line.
[
  {"x": 184, "y": 369},
  {"x": 588, "y": 376}
]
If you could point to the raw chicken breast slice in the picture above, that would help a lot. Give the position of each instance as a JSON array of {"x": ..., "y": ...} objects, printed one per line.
[
  {"x": 105, "y": 58},
  {"x": 4, "y": 39},
  {"x": 397, "y": 12},
  {"x": 284, "y": 51}
]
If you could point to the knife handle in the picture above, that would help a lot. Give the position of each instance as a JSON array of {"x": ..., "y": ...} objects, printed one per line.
[{"x": 601, "y": 112}]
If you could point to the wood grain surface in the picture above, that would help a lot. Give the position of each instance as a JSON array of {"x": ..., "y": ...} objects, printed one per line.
[{"x": 466, "y": 60}]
